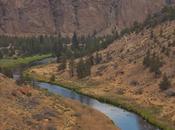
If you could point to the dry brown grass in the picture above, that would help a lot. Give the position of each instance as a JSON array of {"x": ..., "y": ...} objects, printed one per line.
[
  {"x": 25, "y": 108},
  {"x": 125, "y": 75}
]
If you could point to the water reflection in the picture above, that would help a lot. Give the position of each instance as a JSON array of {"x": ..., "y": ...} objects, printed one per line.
[
  {"x": 44, "y": 61},
  {"x": 17, "y": 72},
  {"x": 121, "y": 118}
]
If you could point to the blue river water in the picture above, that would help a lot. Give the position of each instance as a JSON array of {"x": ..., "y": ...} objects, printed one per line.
[{"x": 123, "y": 119}]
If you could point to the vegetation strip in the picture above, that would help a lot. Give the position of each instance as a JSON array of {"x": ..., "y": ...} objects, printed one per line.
[{"x": 12, "y": 63}]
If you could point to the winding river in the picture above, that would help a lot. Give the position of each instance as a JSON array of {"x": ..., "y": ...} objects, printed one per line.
[{"x": 123, "y": 119}]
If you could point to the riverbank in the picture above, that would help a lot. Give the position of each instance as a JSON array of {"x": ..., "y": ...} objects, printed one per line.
[
  {"x": 14, "y": 62},
  {"x": 106, "y": 94},
  {"x": 25, "y": 107}
]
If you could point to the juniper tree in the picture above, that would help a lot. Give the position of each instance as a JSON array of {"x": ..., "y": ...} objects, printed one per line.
[
  {"x": 80, "y": 68},
  {"x": 98, "y": 58},
  {"x": 71, "y": 67},
  {"x": 1, "y": 55},
  {"x": 165, "y": 83},
  {"x": 146, "y": 61},
  {"x": 83, "y": 68},
  {"x": 75, "y": 43},
  {"x": 153, "y": 62}
]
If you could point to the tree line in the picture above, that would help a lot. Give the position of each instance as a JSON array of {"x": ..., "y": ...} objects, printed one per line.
[{"x": 166, "y": 14}]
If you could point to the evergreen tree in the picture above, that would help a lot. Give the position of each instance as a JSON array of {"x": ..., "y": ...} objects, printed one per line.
[
  {"x": 63, "y": 63},
  {"x": 1, "y": 55},
  {"x": 165, "y": 83},
  {"x": 91, "y": 60},
  {"x": 41, "y": 39},
  {"x": 83, "y": 68},
  {"x": 88, "y": 65},
  {"x": 75, "y": 43},
  {"x": 71, "y": 67},
  {"x": 58, "y": 50},
  {"x": 156, "y": 64},
  {"x": 98, "y": 58},
  {"x": 136, "y": 27},
  {"x": 153, "y": 62},
  {"x": 80, "y": 69}
]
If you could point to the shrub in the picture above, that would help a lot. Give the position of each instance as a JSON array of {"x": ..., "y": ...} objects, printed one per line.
[
  {"x": 165, "y": 83},
  {"x": 7, "y": 72},
  {"x": 155, "y": 65},
  {"x": 1, "y": 55},
  {"x": 146, "y": 60},
  {"x": 153, "y": 62},
  {"x": 98, "y": 58},
  {"x": 52, "y": 78}
]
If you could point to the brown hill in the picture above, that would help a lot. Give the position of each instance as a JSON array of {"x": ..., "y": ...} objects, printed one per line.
[
  {"x": 26, "y": 17},
  {"x": 122, "y": 78},
  {"x": 23, "y": 107}
]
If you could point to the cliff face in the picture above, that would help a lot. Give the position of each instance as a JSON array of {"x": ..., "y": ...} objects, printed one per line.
[{"x": 66, "y": 16}]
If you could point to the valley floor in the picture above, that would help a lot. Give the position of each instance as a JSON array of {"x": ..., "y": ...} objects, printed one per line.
[
  {"x": 156, "y": 108},
  {"x": 14, "y": 62},
  {"x": 122, "y": 79},
  {"x": 26, "y": 108}
]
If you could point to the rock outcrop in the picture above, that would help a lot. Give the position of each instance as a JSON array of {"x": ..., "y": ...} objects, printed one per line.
[{"x": 30, "y": 17}]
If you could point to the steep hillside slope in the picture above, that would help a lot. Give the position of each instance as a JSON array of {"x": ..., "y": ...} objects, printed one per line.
[
  {"x": 122, "y": 78},
  {"x": 23, "y": 107},
  {"x": 19, "y": 17}
]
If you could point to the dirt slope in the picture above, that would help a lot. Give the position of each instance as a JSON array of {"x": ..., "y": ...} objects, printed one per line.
[
  {"x": 122, "y": 75},
  {"x": 24, "y": 108}
]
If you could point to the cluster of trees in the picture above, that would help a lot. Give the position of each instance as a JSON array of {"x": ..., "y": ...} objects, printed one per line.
[
  {"x": 84, "y": 65},
  {"x": 7, "y": 72},
  {"x": 61, "y": 47},
  {"x": 82, "y": 46},
  {"x": 166, "y": 14},
  {"x": 77, "y": 46},
  {"x": 29, "y": 45},
  {"x": 87, "y": 45},
  {"x": 83, "y": 68},
  {"x": 153, "y": 62}
]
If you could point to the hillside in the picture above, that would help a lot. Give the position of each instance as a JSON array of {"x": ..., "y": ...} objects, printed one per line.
[
  {"x": 23, "y": 107},
  {"x": 29, "y": 17},
  {"x": 122, "y": 77},
  {"x": 116, "y": 51}
]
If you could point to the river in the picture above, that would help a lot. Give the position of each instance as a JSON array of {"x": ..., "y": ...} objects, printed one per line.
[{"x": 123, "y": 119}]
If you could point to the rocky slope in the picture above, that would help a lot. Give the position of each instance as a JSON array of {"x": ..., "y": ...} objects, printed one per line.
[
  {"x": 26, "y": 17},
  {"x": 122, "y": 78},
  {"x": 23, "y": 107}
]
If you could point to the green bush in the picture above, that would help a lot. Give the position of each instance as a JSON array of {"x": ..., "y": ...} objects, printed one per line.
[{"x": 52, "y": 78}]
